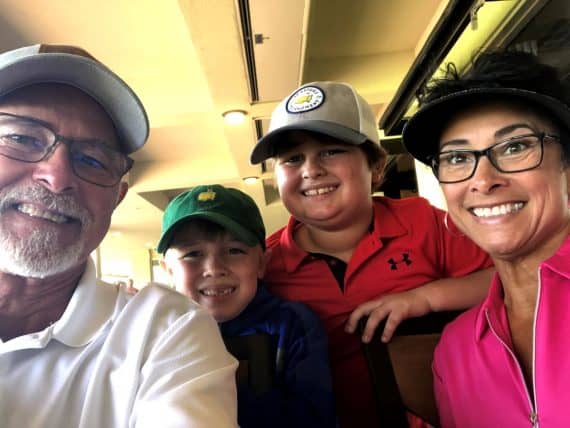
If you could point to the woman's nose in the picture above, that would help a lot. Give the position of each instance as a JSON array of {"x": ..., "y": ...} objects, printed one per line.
[{"x": 486, "y": 177}]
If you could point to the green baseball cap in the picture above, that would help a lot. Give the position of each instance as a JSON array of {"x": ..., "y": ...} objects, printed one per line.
[{"x": 230, "y": 208}]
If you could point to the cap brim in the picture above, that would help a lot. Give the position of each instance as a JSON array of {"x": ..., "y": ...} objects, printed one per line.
[
  {"x": 114, "y": 95},
  {"x": 265, "y": 147},
  {"x": 231, "y": 226},
  {"x": 422, "y": 131}
]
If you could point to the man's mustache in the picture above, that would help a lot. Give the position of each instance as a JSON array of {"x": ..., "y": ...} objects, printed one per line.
[{"x": 65, "y": 205}]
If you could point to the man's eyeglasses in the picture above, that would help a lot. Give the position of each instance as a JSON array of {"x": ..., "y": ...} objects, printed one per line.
[
  {"x": 29, "y": 140},
  {"x": 515, "y": 154}
]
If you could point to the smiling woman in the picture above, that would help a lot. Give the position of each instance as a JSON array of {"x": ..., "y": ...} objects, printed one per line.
[{"x": 500, "y": 150}]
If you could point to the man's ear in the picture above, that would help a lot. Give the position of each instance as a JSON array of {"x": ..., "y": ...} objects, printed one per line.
[
  {"x": 263, "y": 262},
  {"x": 123, "y": 188}
]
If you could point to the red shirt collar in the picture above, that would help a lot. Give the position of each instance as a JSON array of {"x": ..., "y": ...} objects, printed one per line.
[{"x": 386, "y": 225}]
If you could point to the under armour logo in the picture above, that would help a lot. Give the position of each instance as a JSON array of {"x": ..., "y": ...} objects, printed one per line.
[{"x": 405, "y": 259}]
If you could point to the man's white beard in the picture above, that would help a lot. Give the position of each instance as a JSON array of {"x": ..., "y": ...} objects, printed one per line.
[
  {"x": 39, "y": 255},
  {"x": 36, "y": 256}
]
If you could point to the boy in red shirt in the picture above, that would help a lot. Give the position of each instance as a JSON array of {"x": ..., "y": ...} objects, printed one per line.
[{"x": 347, "y": 254}]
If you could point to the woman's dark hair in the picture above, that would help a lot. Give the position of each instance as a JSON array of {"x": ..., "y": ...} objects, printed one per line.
[{"x": 518, "y": 70}]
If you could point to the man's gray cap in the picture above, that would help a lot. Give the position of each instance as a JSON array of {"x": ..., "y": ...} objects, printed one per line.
[{"x": 74, "y": 66}]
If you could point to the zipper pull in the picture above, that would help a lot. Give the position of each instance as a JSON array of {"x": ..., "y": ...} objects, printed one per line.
[{"x": 534, "y": 419}]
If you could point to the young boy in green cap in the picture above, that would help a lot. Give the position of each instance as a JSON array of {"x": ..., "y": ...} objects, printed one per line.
[{"x": 213, "y": 246}]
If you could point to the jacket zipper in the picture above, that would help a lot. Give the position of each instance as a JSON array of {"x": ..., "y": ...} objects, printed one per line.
[{"x": 533, "y": 415}]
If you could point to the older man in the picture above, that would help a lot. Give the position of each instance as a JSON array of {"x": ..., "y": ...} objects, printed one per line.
[{"x": 75, "y": 352}]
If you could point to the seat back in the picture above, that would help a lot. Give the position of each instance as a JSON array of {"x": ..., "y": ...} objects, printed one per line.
[
  {"x": 256, "y": 360},
  {"x": 401, "y": 369}
]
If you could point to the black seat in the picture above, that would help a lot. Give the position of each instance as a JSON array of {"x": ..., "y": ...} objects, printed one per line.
[
  {"x": 401, "y": 369},
  {"x": 256, "y": 360}
]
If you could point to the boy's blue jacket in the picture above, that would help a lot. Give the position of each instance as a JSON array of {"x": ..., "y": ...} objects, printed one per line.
[{"x": 302, "y": 396}]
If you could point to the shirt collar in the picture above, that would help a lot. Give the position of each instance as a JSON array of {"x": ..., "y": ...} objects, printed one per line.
[
  {"x": 494, "y": 305},
  {"x": 295, "y": 254},
  {"x": 386, "y": 222},
  {"x": 559, "y": 261},
  {"x": 90, "y": 308},
  {"x": 386, "y": 225},
  {"x": 261, "y": 308}
]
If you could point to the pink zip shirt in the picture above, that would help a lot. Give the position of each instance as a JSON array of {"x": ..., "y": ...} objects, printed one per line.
[{"x": 477, "y": 379}]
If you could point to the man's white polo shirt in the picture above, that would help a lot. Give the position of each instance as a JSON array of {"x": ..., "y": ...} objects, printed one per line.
[{"x": 155, "y": 359}]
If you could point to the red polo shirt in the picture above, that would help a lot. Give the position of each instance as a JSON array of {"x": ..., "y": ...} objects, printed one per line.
[{"x": 407, "y": 247}]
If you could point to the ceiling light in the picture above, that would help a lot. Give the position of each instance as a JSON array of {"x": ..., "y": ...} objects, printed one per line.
[
  {"x": 234, "y": 117},
  {"x": 250, "y": 180}
]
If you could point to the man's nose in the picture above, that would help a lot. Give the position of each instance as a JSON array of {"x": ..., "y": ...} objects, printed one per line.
[{"x": 55, "y": 171}]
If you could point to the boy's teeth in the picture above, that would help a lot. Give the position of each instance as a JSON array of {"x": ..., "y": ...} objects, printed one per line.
[
  {"x": 34, "y": 211},
  {"x": 320, "y": 191},
  {"x": 211, "y": 292},
  {"x": 497, "y": 210}
]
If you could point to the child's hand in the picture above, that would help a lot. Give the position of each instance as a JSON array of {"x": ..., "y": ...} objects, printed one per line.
[{"x": 397, "y": 307}]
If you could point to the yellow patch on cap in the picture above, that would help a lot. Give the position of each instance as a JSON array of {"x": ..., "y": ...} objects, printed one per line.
[
  {"x": 208, "y": 195},
  {"x": 305, "y": 99}
]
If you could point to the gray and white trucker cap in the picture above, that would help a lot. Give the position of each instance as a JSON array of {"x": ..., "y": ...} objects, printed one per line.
[{"x": 331, "y": 108}]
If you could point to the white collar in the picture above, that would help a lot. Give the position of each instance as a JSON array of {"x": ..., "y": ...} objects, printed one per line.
[{"x": 92, "y": 306}]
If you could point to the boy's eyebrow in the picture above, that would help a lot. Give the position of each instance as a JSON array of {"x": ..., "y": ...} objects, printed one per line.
[
  {"x": 237, "y": 241},
  {"x": 184, "y": 244},
  {"x": 286, "y": 150}
]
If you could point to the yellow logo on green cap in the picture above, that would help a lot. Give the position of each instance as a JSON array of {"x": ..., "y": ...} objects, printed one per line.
[{"x": 208, "y": 195}]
